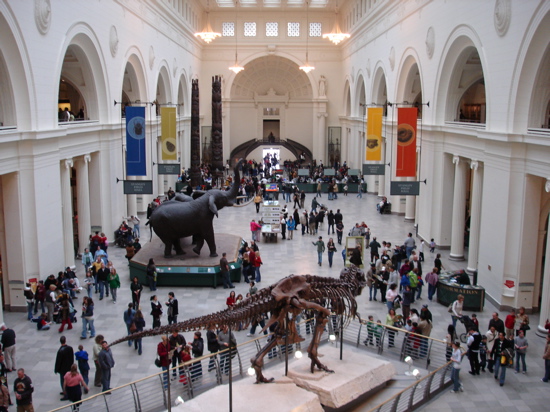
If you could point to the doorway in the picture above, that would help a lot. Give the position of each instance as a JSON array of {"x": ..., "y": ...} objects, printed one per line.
[{"x": 272, "y": 131}]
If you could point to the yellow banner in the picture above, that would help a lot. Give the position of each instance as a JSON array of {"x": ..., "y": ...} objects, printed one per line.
[
  {"x": 374, "y": 133},
  {"x": 168, "y": 133}
]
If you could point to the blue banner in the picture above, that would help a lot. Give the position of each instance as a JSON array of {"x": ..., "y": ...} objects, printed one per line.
[{"x": 135, "y": 141}]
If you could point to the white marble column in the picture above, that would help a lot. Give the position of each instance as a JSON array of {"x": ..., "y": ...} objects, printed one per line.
[
  {"x": 410, "y": 205},
  {"x": 160, "y": 178},
  {"x": 545, "y": 298},
  {"x": 67, "y": 212},
  {"x": 131, "y": 201},
  {"x": 475, "y": 216},
  {"x": 322, "y": 147},
  {"x": 382, "y": 178},
  {"x": 83, "y": 198},
  {"x": 459, "y": 210}
]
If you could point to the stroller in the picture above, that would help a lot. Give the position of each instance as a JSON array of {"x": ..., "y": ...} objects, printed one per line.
[
  {"x": 468, "y": 323},
  {"x": 58, "y": 318}
]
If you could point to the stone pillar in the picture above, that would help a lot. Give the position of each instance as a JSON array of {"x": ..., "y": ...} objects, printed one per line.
[
  {"x": 410, "y": 205},
  {"x": 131, "y": 201},
  {"x": 382, "y": 178},
  {"x": 67, "y": 212},
  {"x": 459, "y": 210},
  {"x": 160, "y": 178},
  {"x": 322, "y": 147},
  {"x": 475, "y": 217},
  {"x": 545, "y": 298},
  {"x": 83, "y": 194}
]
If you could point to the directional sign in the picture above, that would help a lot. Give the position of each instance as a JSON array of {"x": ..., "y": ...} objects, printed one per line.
[
  {"x": 374, "y": 169},
  {"x": 169, "y": 168},
  {"x": 405, "y": 188},
  {"x": 138, "y": 187}
]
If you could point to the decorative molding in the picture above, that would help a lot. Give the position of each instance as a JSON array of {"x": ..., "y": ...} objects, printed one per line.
[
  {"x": 456, "y": 159},
  {"x": 547, "y": 185},
  {"x": 69, "y": 163},
  {"x": 391, "y": 58},
  {"x": 87, "y": 158},
  {"x": 113, "y": 41},
  {"x": 430, "y": 42},
  {"x": 367, "y": 68},
  {"x": 502, "y": 16},
  {"x": 42, "y": 15},
  {"x": 474, "y": 164},
  {"x": 319, "y": 115},
  {"x": 151, "y": 57}
]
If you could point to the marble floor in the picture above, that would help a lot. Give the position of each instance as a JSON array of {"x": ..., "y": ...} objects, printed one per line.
[{"x": 36, "y": 350}]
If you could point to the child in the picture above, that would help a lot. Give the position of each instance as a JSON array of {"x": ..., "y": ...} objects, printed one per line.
[
  {"x": 432, "y": 246},
  {"x": 378, "y": 329},
  {"x": 42, "y": 324},
  {"x": 483, "y": 353},
  {"x": 370, "y": 331},
  {"x": 82, "y": 357}
]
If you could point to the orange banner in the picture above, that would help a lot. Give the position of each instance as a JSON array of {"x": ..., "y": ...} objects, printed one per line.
[
  {"x": 406, "y": 142},
  {"x": 374, "y": 133}
]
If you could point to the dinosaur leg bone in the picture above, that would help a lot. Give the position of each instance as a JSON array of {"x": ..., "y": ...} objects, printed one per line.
[{"x": 320, "y": 322}]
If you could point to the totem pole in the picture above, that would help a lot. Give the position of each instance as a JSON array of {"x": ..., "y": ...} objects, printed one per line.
[
  {"x": 217, "y": 143},
  {"x": 195, "y": 135}
]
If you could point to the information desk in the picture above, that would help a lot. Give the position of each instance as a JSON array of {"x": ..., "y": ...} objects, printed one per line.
[{"x": 448, "y": 290}]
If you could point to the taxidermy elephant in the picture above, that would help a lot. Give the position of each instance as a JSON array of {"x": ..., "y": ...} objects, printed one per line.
[{"x": 183, "y": 217}]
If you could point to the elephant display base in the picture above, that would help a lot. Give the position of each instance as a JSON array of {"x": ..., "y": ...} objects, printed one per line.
[{"x": 188, "y": 265}]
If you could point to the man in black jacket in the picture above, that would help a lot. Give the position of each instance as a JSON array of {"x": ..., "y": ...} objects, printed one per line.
[
  {"x": 172, "y": 308},
  {"x": 213, "y": 346},
  {"x": 177, "y": 342},
  {"x": 474, "y": 339},
  {"x": 22, "y": 386},
  {"x": 63, "y": 362},
  {"x": 497, "y": 323},
  {"x": 8, "y": 346}
]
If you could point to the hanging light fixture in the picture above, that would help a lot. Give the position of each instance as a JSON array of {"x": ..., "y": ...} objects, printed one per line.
[
  {"x": 306, "y": 67},
  {"x": 236, "y": 68},
  {"x": 208, "y": 34},
  {"x": 336, "y": 35}
]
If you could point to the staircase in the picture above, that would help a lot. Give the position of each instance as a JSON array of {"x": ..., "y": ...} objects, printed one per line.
[{"x": 244, "y": 149}]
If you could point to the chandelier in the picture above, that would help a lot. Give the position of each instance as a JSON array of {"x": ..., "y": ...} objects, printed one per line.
[
  {"x": 336, "y": 35},
  {"x": 207, "y": 34},
  {"x": 236, "y": 68},
  {"x": 306, "y": 67}
]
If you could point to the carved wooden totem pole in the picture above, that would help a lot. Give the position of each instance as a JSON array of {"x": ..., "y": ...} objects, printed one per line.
[
  {"x": 217, "y": 143},
  {"x": 195, "y": 135}
]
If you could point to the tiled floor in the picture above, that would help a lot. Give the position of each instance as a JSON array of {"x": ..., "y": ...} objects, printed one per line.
[{"x": 36, "y": 350}]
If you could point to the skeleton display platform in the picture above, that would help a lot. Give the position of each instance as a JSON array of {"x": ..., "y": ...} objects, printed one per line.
[{"x": 189, "y": 269}]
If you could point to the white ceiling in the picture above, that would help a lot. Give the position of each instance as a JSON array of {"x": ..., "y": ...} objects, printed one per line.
[{"x": 214, "y": 5}]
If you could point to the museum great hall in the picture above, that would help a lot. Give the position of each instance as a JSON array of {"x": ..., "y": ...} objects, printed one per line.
[{"x": 478, "y": 72}]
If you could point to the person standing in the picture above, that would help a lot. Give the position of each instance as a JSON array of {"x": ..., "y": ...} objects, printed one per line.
[
  {"x": 320, "y": 249},
  {"x": 355, "y": 257},
  {"x": 114, "y": 283},
  {"x": 102, "y": 279},
  {"x": 129, "y": 319},
  {"x": 257, "y": 201},
  {"x": 163, "y": 351},
  {"x": 136, "y": 289},
  {"x": 8, "y": 346},
  {"x": 224, "y": 271},
  {"x": 283, "y": 227},
  {"x": 521, "y": 323},
  {"x": 39, "y": 297},
  {"x": 456, "y": 309},
  {"x": 546, "y": 357},
  {"x": 63, "y": 362},
  {"x": 497, "y": 323},
  {"x": 29, "y": 298},
  {"x": 95, "y": 351},
  {"x": 432, "y": 279},
  {"x": 474, "y": 339},
  {"x": 139, "y": 321},
  {"x": 72, "y": 386},
  {"x": 156, "y": 311},
  {"x": 213, "y": 346},
  {"x": 360, "y": 189},
  {"x": 290, "y": 225},
  {"x": 152, "y": 275},
  {"x": 410, "y": 245},
  {"x": 226, "y": 340},
  {"x": 197, "y": 348},
  {"x": 87, "y": 318},
  {"x": 331, "y": 248},
  {"x": 491, "y": 335},
  {"x": 83, "y": 366},
  {"x": 177, "y": 342},
  {"x": 374, "y": 245},
  {"x": 87, "y": 259},
  {"x": 4, "y": 398},
  {"x": 500, "y": 355},
  {"x": 106, "y": 362},
  {"x": 456, "y": 358},
  {"x": 520, "y": 345},
  {"x": 4, "y": 376},
  {"x": 172, "y": 308},
  {"x": 23, "y": 388}
]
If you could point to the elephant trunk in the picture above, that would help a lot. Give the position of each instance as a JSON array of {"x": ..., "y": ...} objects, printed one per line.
[{"x": 234, "y": 191}]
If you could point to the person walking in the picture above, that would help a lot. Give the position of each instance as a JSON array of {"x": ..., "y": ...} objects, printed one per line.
[
  {"x": 95, "y": 352},
  {"x": 456, "y": 309},
  {"x": 521, "y": 345},
  {"x": 23, "y": 389},
  {"x": 501, "y": 351},
  {"x": 83, "y": 366},
  {"x": 360, "y": 189},
  {"x": 320, "y": 249},
  {"x": 139, "y": 321},
  {"x": 63, "y": 362},
  {"x": 331, "y": 248},
  {"x": 156, "y": 311},
  {"x": 432, "y": 279},
  {"x": 456, "y": 358},
  {"x": 114, "y": 283},
  {"x": 291, "y": 226},
  {"x": 106, "y": 362},
  {"x": 72, "y": 386},
  {"x": 129, "y": 319}
]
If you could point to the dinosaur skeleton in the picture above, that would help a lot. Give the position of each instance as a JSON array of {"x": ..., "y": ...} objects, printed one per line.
[{"x": 289, "y": 296}]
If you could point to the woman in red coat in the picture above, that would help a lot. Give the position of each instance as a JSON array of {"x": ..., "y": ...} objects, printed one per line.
[{"x": 163, "y": 351}]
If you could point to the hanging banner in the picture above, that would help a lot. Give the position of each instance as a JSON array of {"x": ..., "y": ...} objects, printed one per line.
[
  {"x": 374, "y": 133},
  {"x": 135, "y": 141},
  {"x": 168, "y": 133},
  {"x": 406, "y": 142}
]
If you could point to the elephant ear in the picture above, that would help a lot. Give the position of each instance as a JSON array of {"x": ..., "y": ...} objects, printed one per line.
[{"x": 212, "y": 205}]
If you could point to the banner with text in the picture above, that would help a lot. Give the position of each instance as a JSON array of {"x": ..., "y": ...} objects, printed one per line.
[
  {"x": 168, "y": 133},
  {"x": 135, "y": 141},
  {"x": 406, "y": 142},
  {"x": 374, "y": 133}
]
